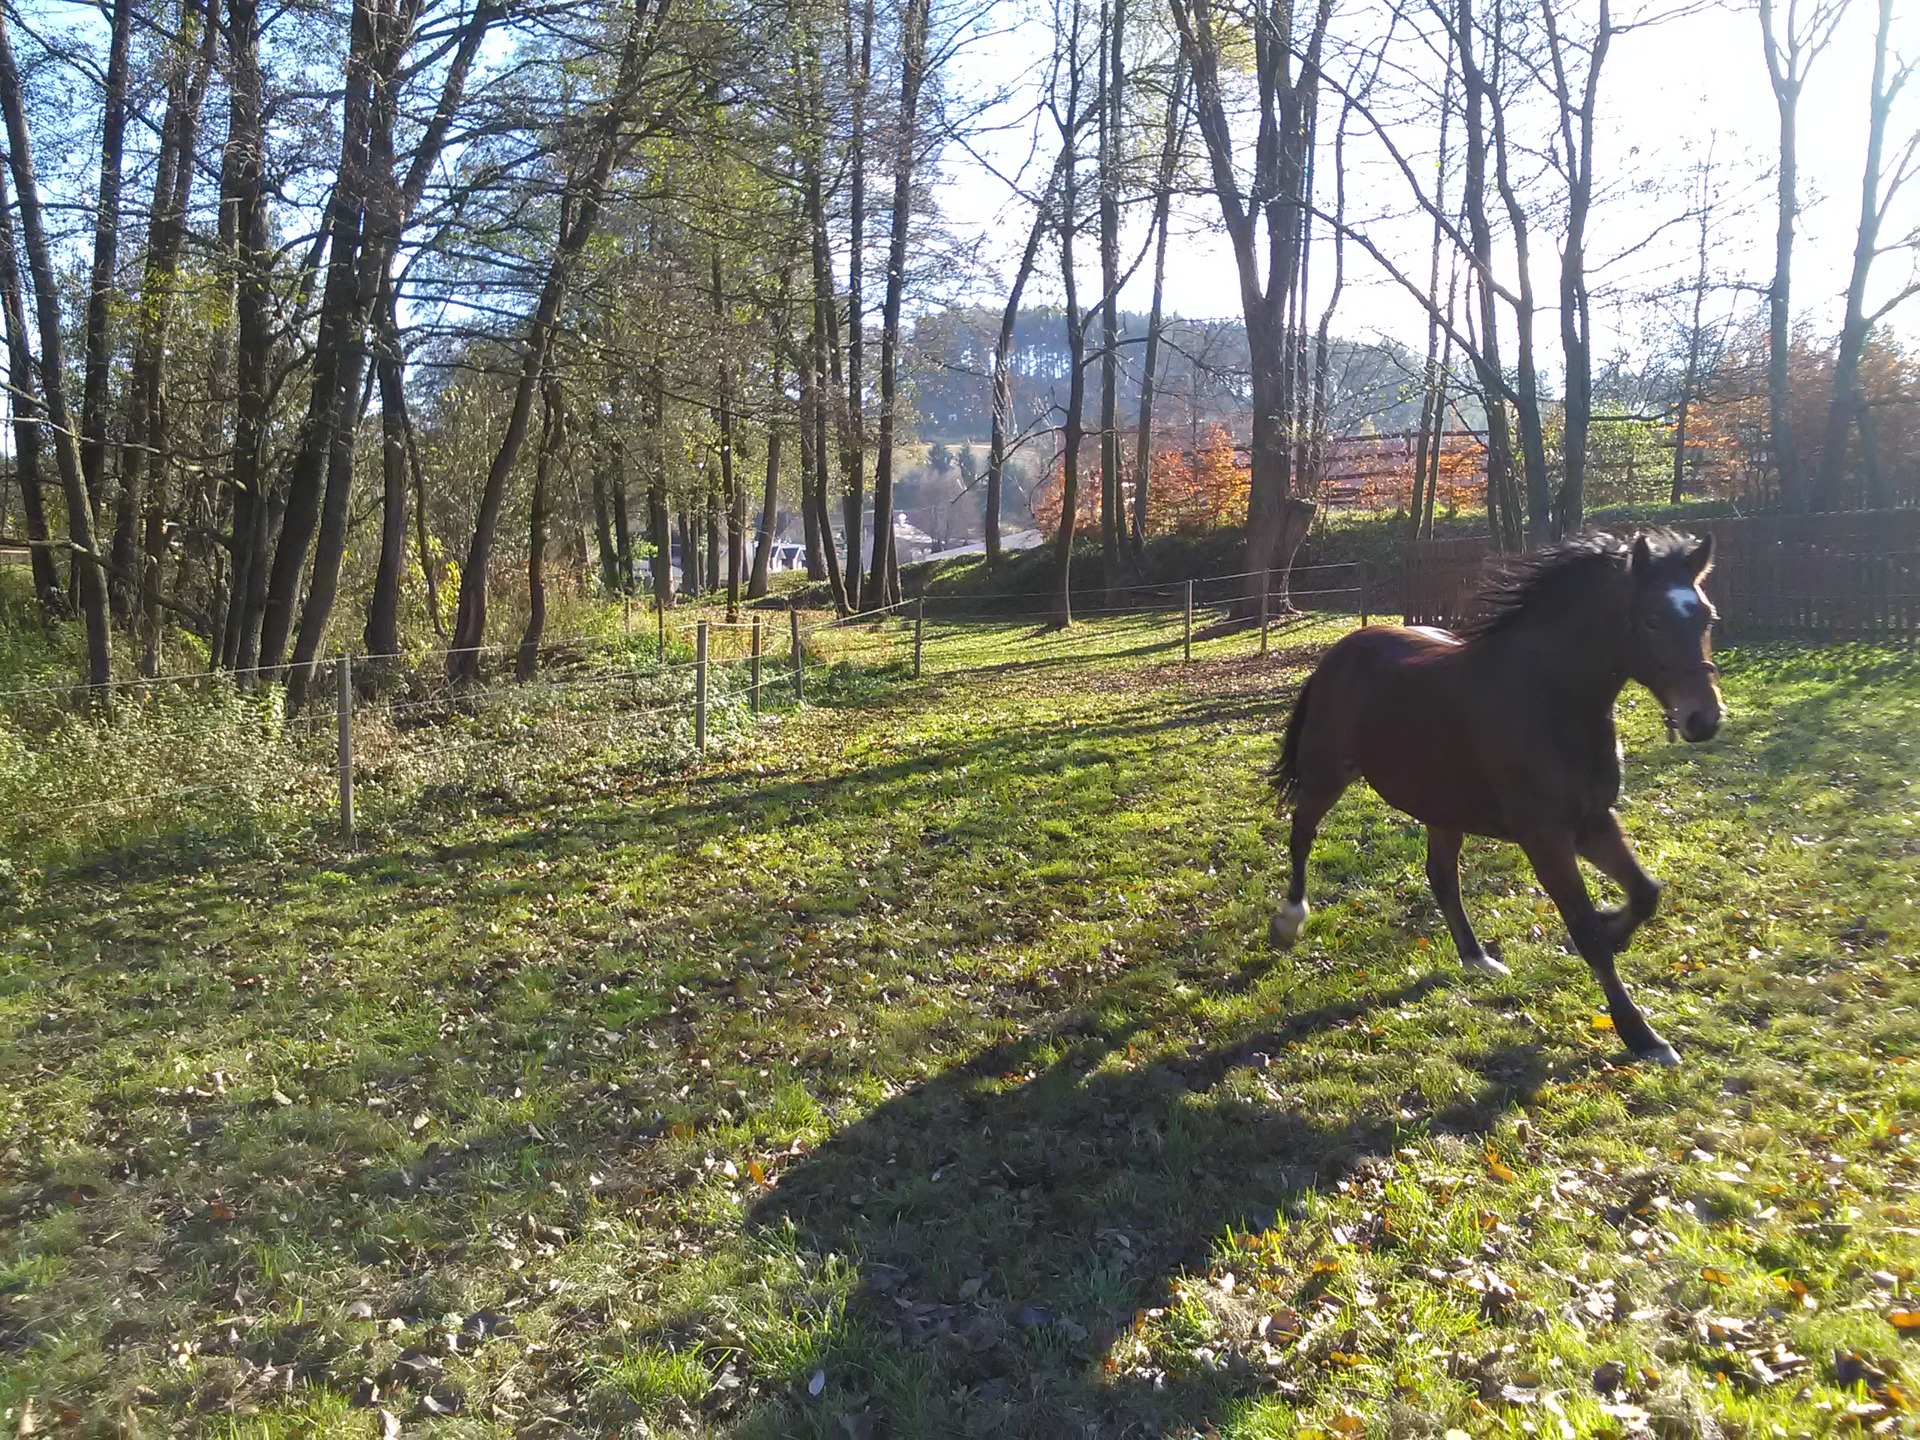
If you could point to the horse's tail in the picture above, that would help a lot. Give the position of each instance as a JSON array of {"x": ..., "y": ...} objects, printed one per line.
[{"x": 1286, "y": 773}]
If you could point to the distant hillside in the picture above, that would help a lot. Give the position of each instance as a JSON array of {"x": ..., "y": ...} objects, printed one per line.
[{"x": 1203, "y": 375}]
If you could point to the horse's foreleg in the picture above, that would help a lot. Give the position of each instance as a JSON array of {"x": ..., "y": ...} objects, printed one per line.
[
  {"x": 1443, "y": 874},
  {"x": 1555, "y": 861},
  {"x": 1310, "y": 808},
  {"x": 1604, "y": 844}
]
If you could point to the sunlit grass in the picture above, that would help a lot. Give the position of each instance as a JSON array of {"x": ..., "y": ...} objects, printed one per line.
[{"x": 915, "y": 1065}]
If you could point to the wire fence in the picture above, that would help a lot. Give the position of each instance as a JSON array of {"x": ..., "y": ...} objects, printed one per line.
[{"x": 377, "y": 738}]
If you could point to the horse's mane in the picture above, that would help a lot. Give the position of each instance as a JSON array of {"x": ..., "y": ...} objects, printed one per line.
[{"x": 1535, "y": 581}]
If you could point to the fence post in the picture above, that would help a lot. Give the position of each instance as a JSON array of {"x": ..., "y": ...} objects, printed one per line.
[
  {"x": 799, "y": 658},
  {"x": 919, "y": 628},
  {"x": 1186, "y": 642},
  {"x": 1266, "y": 581},
  {"x": 700, "y": 688},
  {"x": 1365, "y": 606},
  {"x": 755, "y": 694},
  {"x": 343, "y": 705}
]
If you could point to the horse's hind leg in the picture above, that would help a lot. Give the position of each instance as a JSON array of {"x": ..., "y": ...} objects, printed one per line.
[
  {"x": 1602, "y": 842},
  {"x": 1443, "y": 874},
  {"x": 1557, "y": 864},
  {"x": 1309, "y": 809}
]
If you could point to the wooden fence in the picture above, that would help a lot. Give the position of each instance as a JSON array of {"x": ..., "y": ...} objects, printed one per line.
[{"x": 1844, "y": 576}]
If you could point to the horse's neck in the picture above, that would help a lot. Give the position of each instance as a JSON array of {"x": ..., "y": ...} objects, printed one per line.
[{"x": 1576, "y": 658}]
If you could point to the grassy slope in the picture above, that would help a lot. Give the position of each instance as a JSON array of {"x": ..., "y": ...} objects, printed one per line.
[{"x": 927, "y": 1055}]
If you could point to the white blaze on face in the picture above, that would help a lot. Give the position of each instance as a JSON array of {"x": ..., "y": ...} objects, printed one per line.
[{"x": 1686, "y": 601}]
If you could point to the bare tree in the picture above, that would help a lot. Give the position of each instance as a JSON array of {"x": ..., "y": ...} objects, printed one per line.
[
  {"x": 1287, "y": 73},
  {"x": 1792, "y": 44},
  {"x": 1879, "y": 184},
  {"x": 913, "y": 66},
  {"x": 1576, "y": 320},
  {"x": 1170, "y": 142},
  {"x": 27, "y": 422},
  {"x": 89, "y": 569}
]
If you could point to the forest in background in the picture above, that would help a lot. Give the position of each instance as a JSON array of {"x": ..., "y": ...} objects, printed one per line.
[{"x": 357, "y": 324}]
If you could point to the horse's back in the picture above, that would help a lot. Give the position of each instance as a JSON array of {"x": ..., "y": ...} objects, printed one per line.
[
  {"x": 1395, "y": 709},
  {"x": 1383, "y": 650}
]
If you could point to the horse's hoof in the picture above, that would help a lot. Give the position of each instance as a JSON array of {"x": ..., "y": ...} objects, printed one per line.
[
  {"x": 1658, "y": 1053},
  {"x": 1286, "y": 924},
  {"x": 1484, "y": 964}
]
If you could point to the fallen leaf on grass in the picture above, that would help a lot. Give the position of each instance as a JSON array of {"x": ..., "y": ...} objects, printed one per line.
[
  {"x": 817, "y": 1384},
  {"x": 1715, "y": 1276},
  {"x": 1603, "y": 1022},
  {"x": 1907, "y": 1322},
  {"x": 1498, "y": 1168}
]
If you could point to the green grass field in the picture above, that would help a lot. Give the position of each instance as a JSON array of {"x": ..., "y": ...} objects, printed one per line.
[{"x": 918, "y": 1068}]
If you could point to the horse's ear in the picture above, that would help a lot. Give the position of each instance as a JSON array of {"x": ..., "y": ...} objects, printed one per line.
[
  {"x": 1642, "y": 555},
  {"x": 1700, "y": 558}
]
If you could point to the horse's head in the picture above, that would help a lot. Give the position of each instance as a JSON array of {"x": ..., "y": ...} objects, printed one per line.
[{"x": 1669, "y": 633}]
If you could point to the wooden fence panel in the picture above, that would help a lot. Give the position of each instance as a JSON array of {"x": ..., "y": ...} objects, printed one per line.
[{"x": 1846, "y": 576}]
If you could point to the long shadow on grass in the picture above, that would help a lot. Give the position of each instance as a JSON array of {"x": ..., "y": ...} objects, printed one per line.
[{"x": 1015, "y": 1214}]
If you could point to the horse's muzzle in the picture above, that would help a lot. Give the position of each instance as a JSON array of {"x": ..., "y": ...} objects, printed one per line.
[{"x": 1700, "y": 724}]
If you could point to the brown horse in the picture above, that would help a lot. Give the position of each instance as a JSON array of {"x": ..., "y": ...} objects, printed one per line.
[{"x": 1506, "y": 730}]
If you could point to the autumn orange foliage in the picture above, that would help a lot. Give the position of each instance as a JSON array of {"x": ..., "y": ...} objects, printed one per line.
[
  {"x": 1728, "y": 432},
  {"x": 1189, "y": 491}
]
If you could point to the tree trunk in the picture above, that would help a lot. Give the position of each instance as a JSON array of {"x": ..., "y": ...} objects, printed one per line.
[
  {"x": 1533, "y": 445},
  {"x": 429, "y": 563},
  {"x": 913, "y": 64},
  {"x": 1786, "y": 94},
  {"x": 1849, "y": 400},
  {"x": 854, "y": 439},
  {"x": 1074, "y": 428},
  {"x": 244, "y": 196},
  {"x": 769, "y": 508},
  {"x": 26, "y": 423},
  {"x": 603, "y": 534},
  {"x": 91, "y": 573},
  {"x": 811, "y": 518},
  {"x": 96, "y": 345},
  {"x": 1001, "y": 420},
  {"x": 658, "y": 523},
  {"x": 830, "y": 553},
  {"x": 527, "y": 663},
  {"x": 1500, "y": 512},
  {"x": 1150, "y": 362},
  {"x": 382, "y": 635},
  {"x": 689, "y": 552},
  {"x": 713, "y": 507},
  {"x": 1112, "y": 86},
  {"x": 1691, "y": 384}
]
